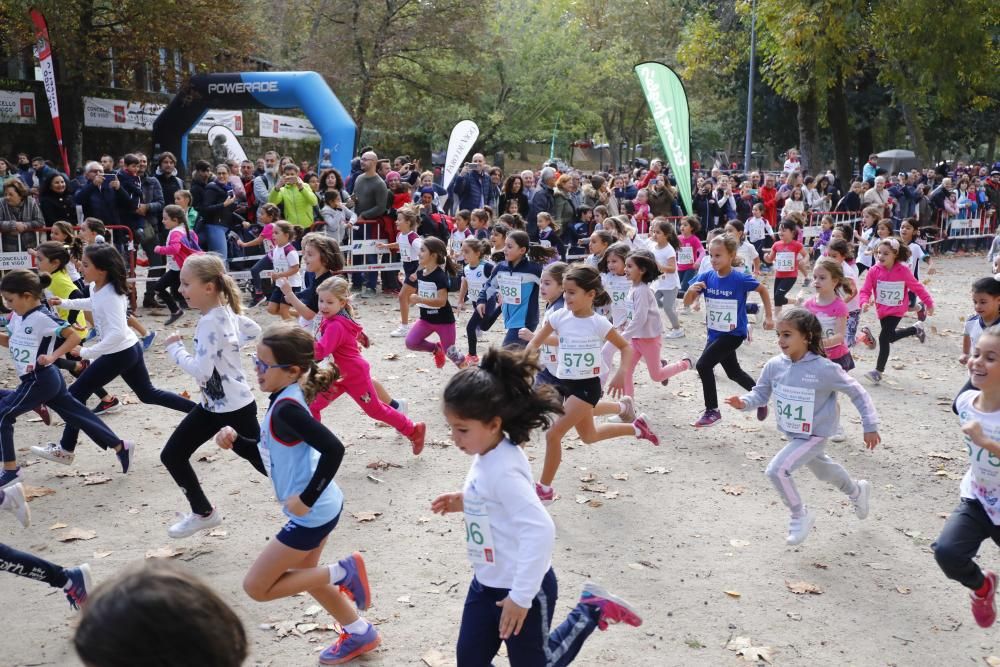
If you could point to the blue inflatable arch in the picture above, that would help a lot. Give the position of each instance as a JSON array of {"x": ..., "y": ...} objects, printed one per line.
[{"x": 259, "y": 90}]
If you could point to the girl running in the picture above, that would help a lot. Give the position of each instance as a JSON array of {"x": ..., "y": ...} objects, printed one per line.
[
  {"x": 36, "y": 339},
  {"x": 285, "y": 259},
  {"x": 617, "y": 285},
  {"x": 805, "y": 386},
  {"x": 321, "y": 257},
  {"x": 643, "y": 328},
  {"x": 338, "y": 337},
  {"x": 226, "y": 397},
  {"x": 491, "y": 410},
  {"x": 746, "y": 252},
  {"x": 786, "y": 255},
  {"x": 870, "y": 237},
  {"x": 597, "y": 244},
  {"x": 839, "y": 251},
  {"x": 436, "y": 315},
  {"x": 267, "y": 215},
  {"x": 515, "y": 284},
  {"x": 548, "y": 234},
  {"x": 664, "y": 246},
  {"x": 117, "y": 353},
  {"x": 476, "y": 276},
  {"x": 986, "y": 304},
  {"x": 909, "y": 235},
  {"x": 181, "y": 243},
  {"x": 581, "y": 335},
  {"x": 62, "y": 232},
  {"x": 302, "y": 457},
  {"x": 887, "y": 283},
  {"x": 689, "y": 253},
  {"x": 407, "y": 244},
  {"x": 725, "y": 296},
  {"x": 832, "y": 287}
]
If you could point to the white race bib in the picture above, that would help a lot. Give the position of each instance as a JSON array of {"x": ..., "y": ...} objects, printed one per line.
[
  {"x": 685, "y": 255},
  {"x": 478, "y": 536},
  {"x": 794, "y": 406},
  {"x": 475, "y": 289},
  {"x": 828, "y": 324},
  {"x": 426, "y": 290},
  {"x": 784, "y": 261},
  {"x": 889, "y": 293},
  {"x": 22, "y": 349},
  {"x": 510, "y": 288},
  {"x": 722, "y": 314},
  {"x": 618, "y": 288},
  {"x": 579, "y": 358},
  {"x": 545, "y": 244}
]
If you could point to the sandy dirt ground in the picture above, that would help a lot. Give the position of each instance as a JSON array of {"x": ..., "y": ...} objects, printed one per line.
[{"x": 691, "y": 532}]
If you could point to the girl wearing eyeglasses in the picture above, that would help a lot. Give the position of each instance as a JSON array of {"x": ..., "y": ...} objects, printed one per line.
[{"x": 226, "y": 398}]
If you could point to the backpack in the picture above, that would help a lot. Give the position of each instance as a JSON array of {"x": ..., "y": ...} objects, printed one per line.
[{"x": 189, "y": 246}]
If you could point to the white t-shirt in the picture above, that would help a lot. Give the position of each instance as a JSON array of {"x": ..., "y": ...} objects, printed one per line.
[
  {"x": 666, "y": 281},
  {"x": 409, "y": 246},
  {"x": 851, "y": 273},
  {"x": 283, "y": 259},
  {"x": 982, "y": 480},
  {"x": 757, "y": 229},
  {"x": 916, "y": 254},
  {"x": 509, "y": 535},
  {"x": 549, "y": 354},
  {"x": 617, "y": 287},
  {"x": 31, "y": 336},
  {"x": 974, "y": 329},
  {"x": 748, "y": 254},
  {"x": 580, "y": 343},
  {"x": 705, "y": 265},
  {"x": 476, "y": 278}
]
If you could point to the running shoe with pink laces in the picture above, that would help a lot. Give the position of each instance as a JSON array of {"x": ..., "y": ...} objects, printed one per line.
[
  {"x": 546, "y": 496},
  {"x": 643, "y": 431},
  {"x": 348, "y": 646},
  {"x": 708, "y": 418},
  {"x": 984, "y": 609},
  {"x": 613, "y": 608}
]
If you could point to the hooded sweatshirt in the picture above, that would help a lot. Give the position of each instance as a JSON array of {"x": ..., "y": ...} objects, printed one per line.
[
  {"x": 338, "y": 336},
  {"x": 890, "y": 289},
  {"x": 805, "y": 394}
]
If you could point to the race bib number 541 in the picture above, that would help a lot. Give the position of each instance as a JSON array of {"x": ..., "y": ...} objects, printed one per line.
[{"x": 794, "y": 407}]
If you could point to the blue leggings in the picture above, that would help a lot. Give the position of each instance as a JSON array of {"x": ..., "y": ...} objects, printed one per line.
[
  {"x": 130, "y": 365},
  {"x": 45, "y": 385}
]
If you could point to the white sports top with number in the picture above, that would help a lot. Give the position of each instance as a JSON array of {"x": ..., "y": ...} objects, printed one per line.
[
  {"x": 32, "y": 335},
  {"x": 666, "y": 281},
  {"x": 580, "y": 343},
  {"x": 509, "y": 535},
  {"x": 409, "y": 246},
  {"x": 285, "y": 258},
  {"x": 476, "y": 279},
  {"x": 549, "y": 354},
  {"x": 982, "y": 480},
  {"x": 618, "y": 288}
]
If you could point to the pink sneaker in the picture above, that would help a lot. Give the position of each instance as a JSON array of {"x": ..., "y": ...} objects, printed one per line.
[
  {"x": 641, "y": 425},
  {"x": 613, "y": 609},
  {"x": 439, "y": 356},
  {"x": 984, "y": 609},
  {"x": 547, "y": 497},
  {"x": 417, "y": 438},
  {"x": 708, "y": 418}
]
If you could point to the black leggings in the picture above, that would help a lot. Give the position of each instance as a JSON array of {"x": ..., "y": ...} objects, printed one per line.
[
  {"x": 167, "y": 283},
  {"x": 196, "y": 429},
  {"x": 722, "y": 350},
  {"x": 484, "y": 323},
  {"x": 889, "y": 335},
  {"x": 30, "y": 566}
]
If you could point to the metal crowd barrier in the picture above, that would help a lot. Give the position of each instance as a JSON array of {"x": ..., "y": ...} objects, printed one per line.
[{"x": 956, "y": 228}]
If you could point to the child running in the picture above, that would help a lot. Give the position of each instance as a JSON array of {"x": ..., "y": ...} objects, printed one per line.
[
  {"x": 515, "y": 283},
  {"x": 226, "y": 397},
  {"x": 285, "y": 259},
  {"x": 338, "y": 337},
  {"x": 664, "y": 244},
  {"x": 725, "y": 297},
  {"x": 117, "y": 353},
  {"x": 581, "y": 335},
  {"x": 436, "y": 315},
  {"x": 491, "y": 410},
  {"x": 181, "y": 243},
  {"x": 643, "y": 328},
  {"x": 302, "y": 457},
  {"x": 888, "y": 283},
  {"x": 689, "y": 253},
  {"x": 839, "y": 250},
  {"x": 407, "y": 244},
  {"x": 617, "y": 285},
  {"x": 267, "y": 215},
  {"x": 476, "y": 274},
  {"x": 786, "y": 256},
  {"x": 977, "y": 517},
  {"x": 805, "y": 385}
]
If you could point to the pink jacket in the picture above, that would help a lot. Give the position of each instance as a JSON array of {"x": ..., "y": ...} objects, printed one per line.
[
  {"x": 338, "y": 336},
  {"x": 176, "y": 246},
  {"x": 899, "y": 273},
  {"x": 699, "y": 250}
]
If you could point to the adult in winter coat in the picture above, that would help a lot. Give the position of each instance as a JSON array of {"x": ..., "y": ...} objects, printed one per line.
[
  {"x": 20, "y": 216},
  {"x": 295, "y": 198},
  {"x": 56, "y": 202}
]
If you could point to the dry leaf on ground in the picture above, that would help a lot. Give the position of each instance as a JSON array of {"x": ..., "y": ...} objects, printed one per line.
[
  {"x": 733, "y": 490},
  {"x": 732, "y": 594},
  {"x": 96, "y": 479},
  {"x": 363, "y": 517},
  {"x": 32, "y": 492},
  {"x": 164, "y": 552},
  {"x": 803, "y": 587},
  {"x": 620, "y": 476},
  {"x": 74, "y": 534},
  {"x": 745, "y": 649},
  {"x": 656, "y": 470}
]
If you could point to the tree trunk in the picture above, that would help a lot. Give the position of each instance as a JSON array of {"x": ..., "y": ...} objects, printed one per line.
[
  {"x": 991, "y": 148},
  {"x": 612, "y": 137},
  {"x": 836, "y": 116},
  {"x": 866, "y": 144},
  {"x": 808, "y": 117},
  {"x": 913, "y": 127}
]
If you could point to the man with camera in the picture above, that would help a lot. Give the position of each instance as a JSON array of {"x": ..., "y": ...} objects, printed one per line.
[{"x": 472, "y": 184}]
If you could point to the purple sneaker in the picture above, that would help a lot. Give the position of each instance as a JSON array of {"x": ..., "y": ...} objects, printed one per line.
[
  {"x": 355, "y": 584},
  {"x": 78, "y": 586},
  {"x": 613, "y": 609},
  {"x": 708, "y": 418},
  {"x": 348, "y": 647}
]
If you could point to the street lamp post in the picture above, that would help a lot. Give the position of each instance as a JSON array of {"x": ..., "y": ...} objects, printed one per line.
[{"x": 753, "y": 51}]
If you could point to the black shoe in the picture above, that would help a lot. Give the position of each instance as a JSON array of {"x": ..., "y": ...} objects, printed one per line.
[
  {"x": 173, "y": 318},
  {"x": 256, "y": 299}
]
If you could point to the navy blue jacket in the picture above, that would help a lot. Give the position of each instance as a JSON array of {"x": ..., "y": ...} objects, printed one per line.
[{"x": 472, "y": 190}]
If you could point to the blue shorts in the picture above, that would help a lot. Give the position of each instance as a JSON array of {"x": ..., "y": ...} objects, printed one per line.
[{"x": 300, "y": 538}]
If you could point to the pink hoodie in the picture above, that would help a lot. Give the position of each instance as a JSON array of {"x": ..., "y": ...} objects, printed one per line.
[
  {"x": 880, "y": 280},
  {"x": 338, "y": 335}
]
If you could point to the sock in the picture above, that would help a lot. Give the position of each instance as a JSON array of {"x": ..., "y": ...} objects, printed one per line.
[
  {"x": 394, "y": 404},
  {"x": 544, "y": 488},
  {"x": 637, "y": 431},
  {"x": 983, "y": 590},
  {"x": 358, "y": 627},
  {"x": 337, "y": 573}
]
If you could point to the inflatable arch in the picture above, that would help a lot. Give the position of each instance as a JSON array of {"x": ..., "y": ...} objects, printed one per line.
[{"x": 251, "y": 90}]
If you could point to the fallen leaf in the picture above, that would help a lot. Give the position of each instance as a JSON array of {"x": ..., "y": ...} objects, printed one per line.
[
  {"x": 32, "y": 492},
  {"x": 733, "y": 490},
  {"x": 581, "y": 500},
  {"x": 620, "y": 476},
  {"x": 610, "y": 495},
  {"x": 754, "y": 456},
  {"x": 594, "y": 488},
  {"x": 820, "y": 566},
  {"x": 57, "y": 526},
  {"x": 423, "y": 519},
  {"x": 879, "y": 566},
  {"x": 793, "y": 616},
  {"x": 948, "y": 456},
  {"x": 382, "y": 465},
  {"x": 903, "y": 590},
  {"x": 745, "y": 649},
  {"x": 74, "y": 534},
  {"x": 732, "y": 594},
  {"x": 588, "y": 477},
  {"x": 285, "y": 628},
  {"x": 391, "y": 357},
  {"x": 67, "y": 473},
  {"x": 208, "y": 458},
  {"x": 96, "y": 479},
  {"x": 656, "y": 470},
  {"x": 102, "y": 554},
  {"x": 306, "y": 627},
  {"x": 312, "y": 610},
  {"x": 992, "y": 661},
  {"x": 594, "y": 503},
  {"x": 185, "y": 394},
  {"x": 218, "y": 532},
  {"x": 433, "y": 658},
  {"x": 164, "y": 552},
  {"x": 803, "y": 587},
  {"x": 363, "y": 517},
  {"x": 405, "y": 599},
  {"x": 739, "y": 543}
]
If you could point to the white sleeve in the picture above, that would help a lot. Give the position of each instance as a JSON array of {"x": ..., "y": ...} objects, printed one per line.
[
  {"x": 201, "y": 364},
  {"x": 536, "y": 535},
  {"x": 76, "y": 304},
  {"x": 113, "y": 333}
]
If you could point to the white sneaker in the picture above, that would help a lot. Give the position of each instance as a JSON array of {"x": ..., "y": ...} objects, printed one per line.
[
  {"x": 53, "y": 452},
  {"x": 400, "y": 331},
  {"x": 15, "y": 503},
  {"x": 192, "y": 523},
  {"x": 799, "y": 527},
  {"x": 839, "y": 436},
  {"x": 402, "y": 406},
  {"x": 861, "y": 502},
  {"x": 674, "y": 333}
]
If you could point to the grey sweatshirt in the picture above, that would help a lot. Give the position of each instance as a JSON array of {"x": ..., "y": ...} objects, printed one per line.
[{"x": 806, "y": 395}]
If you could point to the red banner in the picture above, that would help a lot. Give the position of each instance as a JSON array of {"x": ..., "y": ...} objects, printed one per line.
[{"x": 43, "y": 51}]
